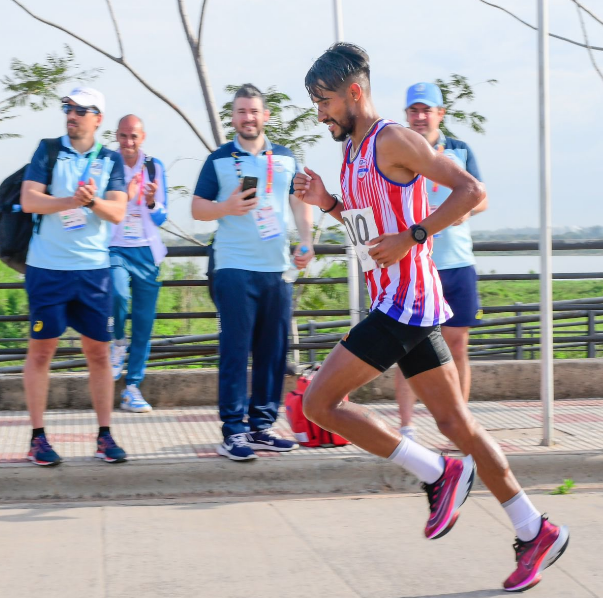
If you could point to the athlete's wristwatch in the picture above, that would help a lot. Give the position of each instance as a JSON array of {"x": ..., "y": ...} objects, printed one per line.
[{"x": 419, "y": 234}]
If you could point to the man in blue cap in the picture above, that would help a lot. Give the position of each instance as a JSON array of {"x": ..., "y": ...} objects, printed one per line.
[{"x": 452, "y": 247}]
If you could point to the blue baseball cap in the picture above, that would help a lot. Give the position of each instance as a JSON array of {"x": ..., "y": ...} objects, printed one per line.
[{"x": 424, "y": 93}]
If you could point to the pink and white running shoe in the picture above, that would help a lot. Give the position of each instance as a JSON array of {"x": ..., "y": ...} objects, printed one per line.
[
  {"x": 535, "y": 556},
  {"x": 447, "y": 494}
]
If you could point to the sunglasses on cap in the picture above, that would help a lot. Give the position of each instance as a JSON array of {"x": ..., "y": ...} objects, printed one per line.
[{"x": 79, "y": 110}]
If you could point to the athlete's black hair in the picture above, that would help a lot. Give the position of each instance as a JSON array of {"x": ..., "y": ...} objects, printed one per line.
[
  {"x": 247, "y": 90},
  {"x": 340, "y": 64}
]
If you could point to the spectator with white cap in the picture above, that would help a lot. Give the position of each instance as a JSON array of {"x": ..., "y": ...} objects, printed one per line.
[{"x": 75, "y": 198}]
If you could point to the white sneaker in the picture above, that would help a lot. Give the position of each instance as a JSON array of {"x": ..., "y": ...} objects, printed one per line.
[
  {"x": 409, "y": 432},
  {"x": 132, "y": 400},
  {"x": 118, "y": 357}
]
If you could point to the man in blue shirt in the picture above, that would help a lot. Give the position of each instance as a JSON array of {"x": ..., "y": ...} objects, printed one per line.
[
  {"x": 251, "y": 254},
  {"x": 452, "y": 248},
  {"x": 68, "y": 281}
]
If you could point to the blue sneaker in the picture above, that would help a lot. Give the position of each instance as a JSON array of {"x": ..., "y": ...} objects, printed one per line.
[
  {"x": 118, "y": 358},
  {"x": 41, "y": 453},
  {"x": 132, "y": 400},
  {"x": 236, "y": 448},
  {"x": 108, "y": 451},
  {"x": 269, "y": 440}
]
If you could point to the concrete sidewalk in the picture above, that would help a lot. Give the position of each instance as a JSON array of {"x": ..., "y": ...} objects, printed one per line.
[
  {"x": 172, "y": 453},
  {"x": 344, "y": 547}
]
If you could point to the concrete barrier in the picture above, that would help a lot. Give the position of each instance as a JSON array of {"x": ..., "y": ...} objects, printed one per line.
[{"x": 492, "y": 381}]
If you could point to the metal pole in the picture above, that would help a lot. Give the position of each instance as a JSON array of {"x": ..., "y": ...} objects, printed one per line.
[
  {"x": 546, "y": 288},
  {"x": 353, "y": 274},
  {"x": 338, "y": 13}
]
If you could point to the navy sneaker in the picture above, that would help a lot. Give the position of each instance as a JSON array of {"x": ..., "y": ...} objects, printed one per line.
[
  {"x": 236, "y": 448},
  {"x": 41, "y": 453},
  {"x": 108, "y": 451},
  {"x": 269, "y": 440}
]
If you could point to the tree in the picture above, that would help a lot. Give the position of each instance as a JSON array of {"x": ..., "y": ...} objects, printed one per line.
[
  {"x": 279, "y": 129},
  {"x": 194, "y": 42},
  {"x": 35, "y": 85},
  {"x": 453, "y": 91}
]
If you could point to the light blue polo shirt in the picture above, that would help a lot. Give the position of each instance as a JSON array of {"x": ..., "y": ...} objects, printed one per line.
[
  {"x": 453, "y": 247},
  {"x": 237, "y": 242},
  {"x": 54, "y": 248}
]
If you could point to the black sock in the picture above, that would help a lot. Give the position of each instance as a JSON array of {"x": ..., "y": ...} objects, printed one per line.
[
  {"x": 103, "y": 430},
  {"x": 37, "y": 432}
]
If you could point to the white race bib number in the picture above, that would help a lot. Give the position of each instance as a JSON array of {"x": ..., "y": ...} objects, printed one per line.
[
  {"x": 133, "y": 225},
  {"x": 361, "y": 228},
  {"x": 73, "y": 219},
  {"x": 267, "y": 223}
]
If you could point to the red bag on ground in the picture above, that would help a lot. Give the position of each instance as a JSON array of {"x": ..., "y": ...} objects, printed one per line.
[{"x": 307, "y": 433}]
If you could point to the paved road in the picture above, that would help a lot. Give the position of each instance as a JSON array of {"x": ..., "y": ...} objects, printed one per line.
[{"x": 339, "y": 547}]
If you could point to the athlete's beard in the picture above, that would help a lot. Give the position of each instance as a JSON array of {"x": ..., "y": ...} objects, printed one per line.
[{"x": 347, "y": 127}]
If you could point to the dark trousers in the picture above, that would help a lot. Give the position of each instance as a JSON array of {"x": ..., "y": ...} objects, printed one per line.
[{"x": 255, "y": 312}]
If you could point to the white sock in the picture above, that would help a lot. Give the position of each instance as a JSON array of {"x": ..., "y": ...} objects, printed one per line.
[
  {"x": 523, "y": 515},
  {"x": 121, "y": 341},
  {"x": 425, "y": 464}
]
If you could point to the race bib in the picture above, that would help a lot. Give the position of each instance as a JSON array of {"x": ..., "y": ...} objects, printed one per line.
[
  {"x": 361, "y": 228},
  {"x": 73, "y": 219},
  {"x": 133, "y": 225},
  {"x": 267, "y": 223}
]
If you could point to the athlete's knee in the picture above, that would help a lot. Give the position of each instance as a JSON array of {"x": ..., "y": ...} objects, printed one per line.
[
  {"x": 457, "y": 425},
  {"x": 40, "y": 356},
  {"x": 311, "y": 405}
]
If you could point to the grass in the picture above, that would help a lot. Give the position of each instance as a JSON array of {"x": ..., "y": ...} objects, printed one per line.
[{"x": 565, "y": 488}]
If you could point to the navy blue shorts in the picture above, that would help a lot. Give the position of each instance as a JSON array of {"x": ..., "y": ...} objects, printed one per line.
[
  {"x": 460, "y": 291},
  {"x": 81, "y": 299}
]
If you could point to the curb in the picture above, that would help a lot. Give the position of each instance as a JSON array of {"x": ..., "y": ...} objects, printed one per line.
[{"x": 266, "y": 476}]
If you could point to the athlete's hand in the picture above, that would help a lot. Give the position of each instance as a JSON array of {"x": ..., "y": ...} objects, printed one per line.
[
  {"x": 310, "y": 189},
  {"x": 85, "y": 193},
  {"x": 390, "y": 248},
  {"x": 238, "y": 204}
]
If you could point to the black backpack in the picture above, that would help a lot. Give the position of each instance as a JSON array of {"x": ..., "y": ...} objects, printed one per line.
[
  {"x": 150, "y": 166},
  {"x": 17, "y": 227}
]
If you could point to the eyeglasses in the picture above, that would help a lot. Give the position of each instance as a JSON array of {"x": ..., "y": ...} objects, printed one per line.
[{"x": 79, "y": 110}]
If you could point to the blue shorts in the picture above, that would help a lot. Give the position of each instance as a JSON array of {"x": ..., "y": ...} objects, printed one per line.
[
  {"x": 460, "y": 291},
  {"x": 81, "y": 299}
]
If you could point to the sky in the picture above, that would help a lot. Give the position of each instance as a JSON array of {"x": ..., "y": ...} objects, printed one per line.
[{"x": 274, "y": 42}]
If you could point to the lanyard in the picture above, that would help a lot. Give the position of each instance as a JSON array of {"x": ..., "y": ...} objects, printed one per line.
[
  {"x": 440, "y": 149},
  {"x": 269, "y": 169},
  {"x": 141, "y": 191},
  {"x": 93, "y": 155}
]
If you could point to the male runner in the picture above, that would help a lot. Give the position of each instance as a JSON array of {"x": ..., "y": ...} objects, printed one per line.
[{"x": 383, "y": 186}]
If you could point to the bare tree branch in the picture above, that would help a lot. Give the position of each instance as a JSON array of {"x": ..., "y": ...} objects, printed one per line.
[
  {"x": 565, "y": 39},
  {"x": 120, "y": 60},
  {"x": 117, "y": 33},
  {"x": 590, "y": 54},
  {"x": 594, "y": 16},
  {"x": 201, "y": 19},
  {"x": 208, "y": 96}
]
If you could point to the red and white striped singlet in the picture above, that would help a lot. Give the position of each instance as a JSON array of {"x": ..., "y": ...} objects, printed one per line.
[{"x": 410, "y": 291}]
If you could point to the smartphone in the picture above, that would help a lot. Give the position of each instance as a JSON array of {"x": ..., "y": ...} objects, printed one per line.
[{"x": 249, "y": 182}]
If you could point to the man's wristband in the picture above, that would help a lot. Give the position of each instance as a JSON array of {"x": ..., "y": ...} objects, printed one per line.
[
  {"x": 336, "y": 201},
  {"x": 151, "y": 206},
  {"x": 90, "y": 204}
]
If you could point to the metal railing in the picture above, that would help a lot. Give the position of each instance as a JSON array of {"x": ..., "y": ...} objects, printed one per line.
[{"x": 513, "y": 334}]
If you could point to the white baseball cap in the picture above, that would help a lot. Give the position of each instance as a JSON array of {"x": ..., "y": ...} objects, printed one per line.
[{"x": 87, "y": 97}]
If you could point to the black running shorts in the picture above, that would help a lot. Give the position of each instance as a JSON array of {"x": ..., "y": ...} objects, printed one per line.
[{"x": 382, "y": 341}]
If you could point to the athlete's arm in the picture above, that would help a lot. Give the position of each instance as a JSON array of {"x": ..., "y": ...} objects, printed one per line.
[
  {"x": 35, "y": 200},
  {"x": 310, "y": 189},
  {"x": 401, "y": 154}
]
